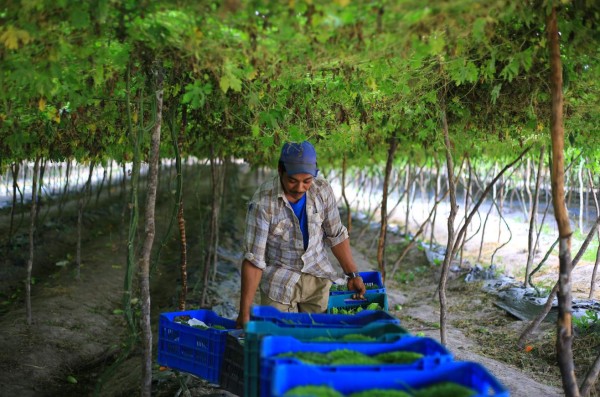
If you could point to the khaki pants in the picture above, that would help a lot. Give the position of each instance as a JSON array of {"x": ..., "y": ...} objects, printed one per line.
[{"x": 311, "y": 295}]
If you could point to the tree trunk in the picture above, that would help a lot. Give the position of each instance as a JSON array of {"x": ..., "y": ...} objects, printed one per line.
[
  {"x": 41, "y": 183},
  {"x": 83, "y": 197},
  {"x": 564, "y": 334},
  {"x": 150, "y": 230},
  {"x": 451, "y": 217},
  {"x": 597, "y": 262},
  {"x": 178, "y": 144},
  {"x": 467, "y": 197},
  {"x": 136, "y": 137},
  {"x": 182, "y": 258},
  {"x": 438, "y": 179},
  {"x": 580, "y": 179},
  {"x": 220, "y": 191},
  {"x": 211, "y": 246},
  {"x": 407, "y": 191},
  {"x": 487, "y": 216},
  {"x": 110, "y": 177},
  {"x": 31, "y": 245},
  {"x": 533, "y": 217},
  {"x": 65, "y": 192},
  {"x": 393, "y": 145},
  {"x": 104, "y": 175},
  {"x": 349, "y": 211},
  {"x": 15, "y": 185}
]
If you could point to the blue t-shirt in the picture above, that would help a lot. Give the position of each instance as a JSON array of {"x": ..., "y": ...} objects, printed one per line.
[{"x": 299, "y": 208}]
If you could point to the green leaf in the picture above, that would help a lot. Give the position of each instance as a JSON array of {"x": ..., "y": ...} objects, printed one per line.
[
  {"x": 230, "y": 79},
  {"x": 79, "y": 17},
  {"x": 511, "y": 70},
  {"x": 478, "y": 30},
  {"x": 267, "y": 141},
  {"x": 224, "y": 84},
  {"x": 462, "y": 70},
  {"x": 71, "y": 379},
  {"x": 496, "y": 92},
  {"x": 296, "y": 134}
]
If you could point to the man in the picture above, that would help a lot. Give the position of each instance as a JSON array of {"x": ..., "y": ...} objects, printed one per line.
[{"x": 289, "y": 221}]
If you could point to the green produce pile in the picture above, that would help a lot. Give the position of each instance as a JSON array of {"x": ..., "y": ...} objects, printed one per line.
[
  {"x": 344, "y": 287},
  {"x": 444, "y": 389},
  {"x": 351, "y": 357},
  {"x": 184, "y": 320},
  {"x": 345, "y": 338},
  {"x": 358, "y": 309}
]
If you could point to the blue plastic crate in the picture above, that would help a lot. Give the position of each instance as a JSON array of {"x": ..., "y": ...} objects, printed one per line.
[
  {"x": 315, "y": 320},
  {"x": 434, "y": 354},
  {"x": 257, "y": 330},
  {"x": 371, "y": 279},
  {"x": 345, "y": 301},
  {"x": 352, "y": 379},
  {"x": 193, "y": 350}
]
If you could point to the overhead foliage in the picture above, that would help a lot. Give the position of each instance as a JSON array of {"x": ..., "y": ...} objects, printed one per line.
[{"x": 249, "y": 75}]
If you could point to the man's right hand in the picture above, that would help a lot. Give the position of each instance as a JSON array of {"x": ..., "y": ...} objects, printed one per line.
[
  {"x": 241, "y": 320},
  {"x": 356, "y": 284}
]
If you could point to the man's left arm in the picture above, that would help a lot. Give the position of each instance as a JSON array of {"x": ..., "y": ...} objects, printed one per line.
[
  {"x": 343, "y": 254},
  {"x": 336, "y": 237}
]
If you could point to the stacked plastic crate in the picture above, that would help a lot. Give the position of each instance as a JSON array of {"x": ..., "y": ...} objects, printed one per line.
[
  {"x": 193, "y": 341},
  {"x": 301, "y": 354},
  {"x": 357, "y": 355}
]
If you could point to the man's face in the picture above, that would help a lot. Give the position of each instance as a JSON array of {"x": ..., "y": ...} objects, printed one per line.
[{"x": 295, "y": 185}]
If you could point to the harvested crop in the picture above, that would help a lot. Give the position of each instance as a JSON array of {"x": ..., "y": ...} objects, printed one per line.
[
  {"x": 308, "y": 357},
  {"x": 344, "y": 287},
  {"x": 350, "y": 357},
  {"x": 357, "y": 338},
  {"x": 357, "y": 309},
  {"x": 398, "y": 357},
  {"x": 380, "y": 393},
  {"x": 322, "y": 339},
  {"x": 445, "y": 389},
  {"x": 312, "y": 391}
]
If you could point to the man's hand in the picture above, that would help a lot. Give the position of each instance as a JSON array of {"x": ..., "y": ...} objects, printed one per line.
[
  {"x": 356, "y": 284},
  {"x": 242, "y": 319}
]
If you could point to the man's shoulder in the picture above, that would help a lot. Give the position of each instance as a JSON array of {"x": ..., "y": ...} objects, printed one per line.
[
  {"x": 321, "y": 182},
  {"x": 322, "y": 187},
  {"x": 266, "y": 192}
]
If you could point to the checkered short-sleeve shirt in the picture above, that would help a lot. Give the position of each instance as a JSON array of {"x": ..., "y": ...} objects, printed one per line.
[{"x": 273, "y": 239}]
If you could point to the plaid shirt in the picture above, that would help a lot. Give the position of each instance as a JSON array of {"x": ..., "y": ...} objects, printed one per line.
[{"x": 273, "y": 240}]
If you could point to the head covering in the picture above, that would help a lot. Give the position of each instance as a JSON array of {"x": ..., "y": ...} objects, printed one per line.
[{"x": 299, "y": 158}]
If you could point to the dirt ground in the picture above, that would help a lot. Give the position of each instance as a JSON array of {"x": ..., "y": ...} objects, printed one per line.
[{"x": 78, "y": 332}]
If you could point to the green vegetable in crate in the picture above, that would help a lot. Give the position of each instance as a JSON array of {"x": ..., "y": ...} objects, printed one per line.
[
  {"x": 358, "y": 309},
  {"x": 308, "y": 357},
  {"x": 312, "y": 391},
  {"x": 380, "y": 393},
  {"x": 181, "y": 319},
  {"x": 357, "y": 338},
  {"x": 445, "y": 389},
  {"x": 398, "y": 357},
  {"x": 200, "y": 326},
  {"x": 344, "y": 287},
  {"x": 350, "y": 357},
  {"x": 322, "y": 339}
]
